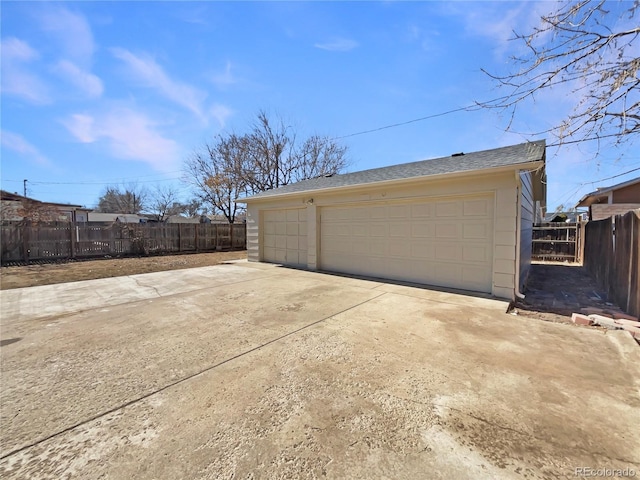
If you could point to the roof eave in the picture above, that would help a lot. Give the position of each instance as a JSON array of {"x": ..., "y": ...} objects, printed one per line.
[{"x": 533, "y": 165}]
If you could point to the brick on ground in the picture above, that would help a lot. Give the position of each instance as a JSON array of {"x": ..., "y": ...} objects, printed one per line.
[{"x": 580, "y": 319}]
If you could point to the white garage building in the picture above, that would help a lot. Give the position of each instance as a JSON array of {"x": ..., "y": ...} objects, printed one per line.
[{"x": 460, "y": 222}]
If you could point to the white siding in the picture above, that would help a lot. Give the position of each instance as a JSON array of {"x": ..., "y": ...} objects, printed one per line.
[{"x": 527, "y": 209}]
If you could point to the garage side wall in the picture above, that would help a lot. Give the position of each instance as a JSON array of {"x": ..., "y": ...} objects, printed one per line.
[
  {"x": 527, "y": 209},
  {"x": 503, "y": 187}
]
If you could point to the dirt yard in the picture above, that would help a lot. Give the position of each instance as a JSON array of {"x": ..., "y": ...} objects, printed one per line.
[{"x": 75, "y": 270}]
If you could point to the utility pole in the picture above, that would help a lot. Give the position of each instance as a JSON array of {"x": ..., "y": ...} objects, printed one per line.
[{"x": 24, "y": 188}]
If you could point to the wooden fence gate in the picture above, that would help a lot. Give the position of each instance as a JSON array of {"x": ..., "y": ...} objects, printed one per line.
[{"x": 558, "y": 242}]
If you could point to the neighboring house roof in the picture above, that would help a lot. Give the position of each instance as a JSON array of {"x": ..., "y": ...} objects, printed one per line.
[
  {"x": 523, "y": 153},
  {"x": 115, "y": 217},
  {"x": 14, "y": 197},
  {"x": 603, "y": 193},
  {"x": 181, "y": 219}
]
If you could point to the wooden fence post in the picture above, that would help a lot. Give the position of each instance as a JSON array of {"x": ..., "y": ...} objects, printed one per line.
[
  {"x": 25, "y": 241},
  {"x": 231, "y": 236},
  {"x": 195, "y": 230},
  {"x": 72, "y": 233},
  {"x": 179, "y": 237}
]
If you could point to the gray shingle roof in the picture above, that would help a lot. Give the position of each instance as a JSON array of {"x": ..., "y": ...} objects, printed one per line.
[{"x": 486, "y": 159}]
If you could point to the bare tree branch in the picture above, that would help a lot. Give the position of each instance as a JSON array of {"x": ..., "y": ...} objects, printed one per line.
[{"x": 577, "y": 48}]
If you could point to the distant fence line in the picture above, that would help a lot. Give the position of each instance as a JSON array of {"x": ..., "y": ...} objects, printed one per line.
[
  {"x": 612, "y": 256},
  {"x": 22, "y": 242}
]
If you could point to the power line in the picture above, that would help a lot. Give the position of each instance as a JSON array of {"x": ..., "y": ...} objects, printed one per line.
[
  {"x": 609, "y": 178},
  {"x": 37, "y": 182}
]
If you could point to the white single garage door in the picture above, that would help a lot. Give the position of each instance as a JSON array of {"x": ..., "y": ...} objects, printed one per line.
[
  {"x": 445, "y": 241},
  {"x": 284, "y": 237}
]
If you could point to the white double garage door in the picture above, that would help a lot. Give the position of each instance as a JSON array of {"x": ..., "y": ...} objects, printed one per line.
[{"x": 446, "y": 241}]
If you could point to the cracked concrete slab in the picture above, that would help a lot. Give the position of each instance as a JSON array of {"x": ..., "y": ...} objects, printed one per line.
[{"x": 256, "y": 371}]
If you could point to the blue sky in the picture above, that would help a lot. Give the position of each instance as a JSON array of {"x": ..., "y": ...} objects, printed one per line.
[{"x": 120, "y": 93}]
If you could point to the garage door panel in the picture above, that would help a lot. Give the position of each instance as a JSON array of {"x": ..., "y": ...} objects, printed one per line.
[
  {"x": 475, "y": 276},
  {"x": 379, "y": 247},
  {"x": 422, "y": 230},
  {"x": 269, "y": 228},
  {"x": 281, "y": 228},
  {"x": 447, "y": 242},
  {"x": 269, "y": 241},
  {"x": 331, "y": 245},
  {"x": 337, "y": 230},
  {"x": 478, "y": 231},
  {"x": 359, "y": 230},
  {"x": 284, "y": 237},
  {"x": 379, "y": 230},
  {"x": 400, "y": 267},
  {"x": 281, "y": 256},
  {"x": 471, "y": 253},
  {"x": 292, "y": 242},
  {"x": 401, "y": 230},
  {"x": 270, "y": 216},
  {"x": 422, "y": 250},
  {"x": 398, "y": 211},
  {"x": 292, "y": 228},
  {"x": 281, "y": 241},
  {"x": 447, "y": 230},
  {"x": 448, "y": 209},
  {"x": 270, "y": 253},
  {"x": 379, "y": 211},
  {"x": 475, "y": 208},
  {"x": 400, "y": 248},
  {"x": 424, "y": 210},
  {"x": 448, "y": 252}
]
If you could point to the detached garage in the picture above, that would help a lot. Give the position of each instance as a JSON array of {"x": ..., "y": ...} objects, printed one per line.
[{"x": 460, "y": 222}]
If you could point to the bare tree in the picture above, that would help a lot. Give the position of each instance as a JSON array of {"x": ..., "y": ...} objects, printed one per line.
[
  {"x": 165, "y": 202},
  {"x": 215, "y": 173},
  {"x": 590, "y": 48},
  {"x": 130, "y": 199},
  {"x": 36, "y": 212},
  {"x": 266, "y": 157},
  {"x": 319, "y": 156}
]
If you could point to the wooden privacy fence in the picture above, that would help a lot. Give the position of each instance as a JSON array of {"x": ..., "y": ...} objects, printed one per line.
[
  {"x": 22, "y": 242},
  {"x": 557, "y": 242},
  {"x": 612, "y": 257}
]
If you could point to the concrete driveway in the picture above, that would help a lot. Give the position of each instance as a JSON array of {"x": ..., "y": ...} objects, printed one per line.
[{"x": 256, "y": 371}]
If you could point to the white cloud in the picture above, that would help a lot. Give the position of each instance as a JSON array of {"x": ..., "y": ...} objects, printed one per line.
[
  {"x": 17, "y": 143},
  {"x": 147, "y": 71},
  {"x": 225, "y": 78},
  {"x": 338, "y": 45},
  {"x": 72, "y": 31},
  {"x": 129, "y": 135},
  {"x": 15, "y": 49},
  {"x": 220, "y": 113},
  {"x": 497, "y": 22},
  {"x": 90, "y": 84},
  {"x": 81, "y": 127},
  {"x": 16, "y": 79}
]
